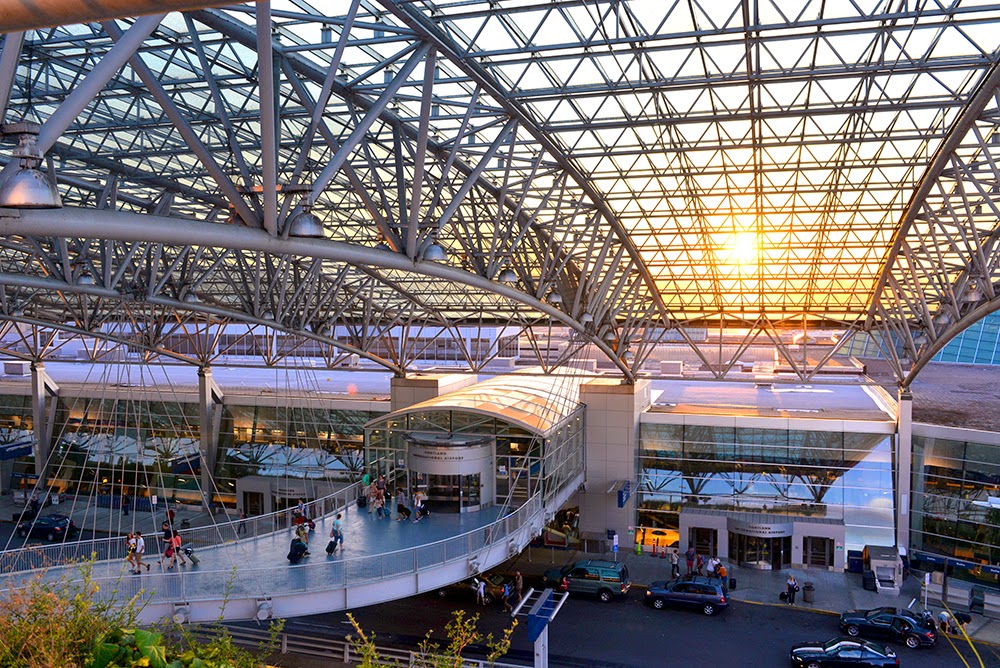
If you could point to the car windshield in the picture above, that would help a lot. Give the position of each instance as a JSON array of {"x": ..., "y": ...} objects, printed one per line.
[{"x": 871, "y": 647}]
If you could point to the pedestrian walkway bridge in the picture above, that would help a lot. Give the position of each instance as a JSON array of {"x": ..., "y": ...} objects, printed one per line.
[{"x": 243, "y": 572}]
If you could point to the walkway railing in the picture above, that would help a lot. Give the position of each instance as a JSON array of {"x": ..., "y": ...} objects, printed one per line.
[
  {"x": 330, "y": 649},
  {"x": 103, "y": 549}
]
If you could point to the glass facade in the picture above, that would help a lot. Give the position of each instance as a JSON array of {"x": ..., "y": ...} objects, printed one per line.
[
  {"x": 524, "y": 463},
  {"x": 843, "y": 476},
  {"x": 956, "y": 504},
  {"x": 104, "y": 448}
]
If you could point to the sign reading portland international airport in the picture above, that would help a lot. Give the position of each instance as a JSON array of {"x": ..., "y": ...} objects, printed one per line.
[{"x": 759, "y": 529}]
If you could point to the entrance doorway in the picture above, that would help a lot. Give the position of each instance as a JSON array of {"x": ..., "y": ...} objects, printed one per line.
[
  {"x": 817, "y": 551},
  {"x": 761, "y": 553},
  {"x": 705, "y": 541},
  {"x": 449, "y": 493}
]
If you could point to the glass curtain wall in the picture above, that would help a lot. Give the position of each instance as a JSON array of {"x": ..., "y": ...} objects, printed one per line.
[
  {"x": 107, "y": 448},
  {"x": 525, "y": 463},
  {"x": 843, "y": 476},
  {"x": 956, "y": 504}
]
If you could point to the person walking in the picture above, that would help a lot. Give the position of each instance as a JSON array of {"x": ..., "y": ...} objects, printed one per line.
[
  {"x": 480, "y": 591},
  {"x": 508, "y": 592},
  {"x": 402, "y": 511},
  {"x": 242, "y": 526},
  {"x": 175, "y": 544},
  {"x": 675, "y": 567},
  {"x": 126, "y": 501},
  {"x": 518, "y": 585},
  {"x": 700, "y": 565},
  {"x": 791, "y": 588},
  {"x": 130, "y": 550},
  {"x": 690, "y": 557},
  {"x": 140, "y": 549},
  {"x": 337, "y": 534}
]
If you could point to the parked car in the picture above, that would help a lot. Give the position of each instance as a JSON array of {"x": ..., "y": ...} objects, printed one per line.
[
  {"x": 842, "y": 652},
  {"x": 889, "y": 624},
  {"x": 605, "y": 579},
  {"x": 50, "y": 527},
  {"x": 709, "y": 595},
  {"x": 467, "y": 588}
]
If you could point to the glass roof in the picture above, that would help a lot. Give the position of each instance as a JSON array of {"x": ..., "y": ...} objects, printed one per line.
[
  {"x": 740, "y": 163},
  {"x": 533, "y": 401}
]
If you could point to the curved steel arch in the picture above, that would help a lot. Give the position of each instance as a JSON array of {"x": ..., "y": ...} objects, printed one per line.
[
  {"x": 134, "y": 228},
  {"x": 943, "y": 271}
]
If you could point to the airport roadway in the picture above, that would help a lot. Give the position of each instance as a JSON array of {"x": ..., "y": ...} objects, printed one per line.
[{"x": 628, "y": 633}]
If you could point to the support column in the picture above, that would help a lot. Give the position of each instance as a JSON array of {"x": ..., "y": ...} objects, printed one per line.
[
  {"x": 613, "y": 412},
  {"x": 904, "y": 466},
  {"x": 43, "y": 388},
  {"x": 210, "y": 414}
]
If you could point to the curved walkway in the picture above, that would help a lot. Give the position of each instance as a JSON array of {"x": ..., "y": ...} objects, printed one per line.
[{"x": 382, "y": 560}]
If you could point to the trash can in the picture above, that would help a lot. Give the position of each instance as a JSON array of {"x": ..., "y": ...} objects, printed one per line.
[
  {"x": 855, "y": 561},
  {"x": 977, "y": 600},
  {"x": 732, "y": 584},
  {"x": 809, "y": 592}
]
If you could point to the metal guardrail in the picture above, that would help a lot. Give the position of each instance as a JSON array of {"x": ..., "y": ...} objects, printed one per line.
[
  {"x": 105, "y": 549},
  {"x": 328, "y": 648}
]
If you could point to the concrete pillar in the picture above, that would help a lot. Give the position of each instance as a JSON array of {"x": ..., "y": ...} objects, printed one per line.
[
  {"x": 410, "y": 390},
  {"x": 210, "y": 418},
  {"x": 613, "y": 412},
  {"x": 44, "y": 393},
  {"x": 904, "y": 466}
]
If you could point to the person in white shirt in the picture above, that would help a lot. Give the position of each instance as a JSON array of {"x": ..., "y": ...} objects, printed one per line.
[{"x": 140, "y": 550}]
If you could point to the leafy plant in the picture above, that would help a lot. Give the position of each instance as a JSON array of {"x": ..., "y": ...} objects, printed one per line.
[{"x": 462, "y": 632}]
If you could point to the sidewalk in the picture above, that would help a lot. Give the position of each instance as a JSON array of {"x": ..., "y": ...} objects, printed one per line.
[{"x": 835, "y": 591}]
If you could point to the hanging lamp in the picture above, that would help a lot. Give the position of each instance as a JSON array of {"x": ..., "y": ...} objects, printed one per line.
[{"x": 28, "y": 187}]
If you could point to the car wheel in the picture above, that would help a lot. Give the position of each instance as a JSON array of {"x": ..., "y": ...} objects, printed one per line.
[
  {"x": 23, "y": 533},
  {"x": 442, "y": 593},
  {"x": 659, "y": 603},
  {"x": 912, "y": 642},
  {"x": 487, "y": 599},
  {"x": 604, "y": 595},
  {"x": 852, "y": 631},
  {"x": 50, "y": 537},
  {"x": 708, "y": 609},
  {"x": 813, "y": 664}
]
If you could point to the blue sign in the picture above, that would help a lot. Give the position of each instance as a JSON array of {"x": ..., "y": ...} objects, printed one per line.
[
  {"x": 624, "y": 493},
  {"x": 540, "y": 614},
  {"x": 931, "y": 558},
  {"x": 14, "y": 450}
]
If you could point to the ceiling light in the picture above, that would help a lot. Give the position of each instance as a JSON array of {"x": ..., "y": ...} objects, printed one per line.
[
  {"x": 190, "y": 297},
  {"x": 586, "y": 319},
  {"x": 554, "y": 298},
  {"x": 28, "y": 187},
  {"x": 304, "y": 224},
  {"x": 507, "y": 275},
  {"x": 435, "y": 253}
]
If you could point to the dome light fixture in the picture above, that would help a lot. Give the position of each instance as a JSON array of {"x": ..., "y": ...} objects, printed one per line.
[
  {"x": 190, "y": 297},
  {"x": 507, "y": 275},
  {"x": 435, "y": 253},
  {"x": 85, "y": 279},
  {"x": 554, "y": 298},
  {"x": 304, "y": 224},
  {"x": 628, "y": 357},
  {"x": 586, "y": 319},
  {"x": 28, "y": 187}
]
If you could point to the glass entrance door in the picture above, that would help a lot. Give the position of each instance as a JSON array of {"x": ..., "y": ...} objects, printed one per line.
[
  {"x": 761, "y": 553},
  {"x": 448, "y": 493}
]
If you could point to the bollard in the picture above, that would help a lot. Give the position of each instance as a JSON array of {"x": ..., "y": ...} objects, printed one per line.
[{"x": 656, "y": 544}]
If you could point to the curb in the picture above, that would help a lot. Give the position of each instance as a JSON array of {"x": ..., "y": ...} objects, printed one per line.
[{"x": 837, "y": 614}]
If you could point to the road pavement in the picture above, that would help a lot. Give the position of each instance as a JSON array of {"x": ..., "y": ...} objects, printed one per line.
[{"x": 626, "y": 633}]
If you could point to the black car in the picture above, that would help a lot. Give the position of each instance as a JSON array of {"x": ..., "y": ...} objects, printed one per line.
[
  {"x": 842, "y": 652},
  {"x": 889, "y": 624},
  {"x": 709, "y": 595},
  {"x": 50, "y": 527}
]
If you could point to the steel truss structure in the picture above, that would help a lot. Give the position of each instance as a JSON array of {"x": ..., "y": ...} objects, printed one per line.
[{"x": 739, "y": 170}]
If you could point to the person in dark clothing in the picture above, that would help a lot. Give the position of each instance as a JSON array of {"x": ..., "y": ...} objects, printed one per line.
[{"x": 791, "y": 587}]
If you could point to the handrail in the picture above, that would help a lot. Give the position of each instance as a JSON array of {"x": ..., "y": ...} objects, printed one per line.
[
  {"x": 101, "y": 549},
  {"x": 327, "y": 648}
]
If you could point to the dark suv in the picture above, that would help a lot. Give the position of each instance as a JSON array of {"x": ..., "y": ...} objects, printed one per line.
[
  {"x": 606, "y": 579},
  {"x": 50, "y": 527},
  {"x": 692, "y": 591}
]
